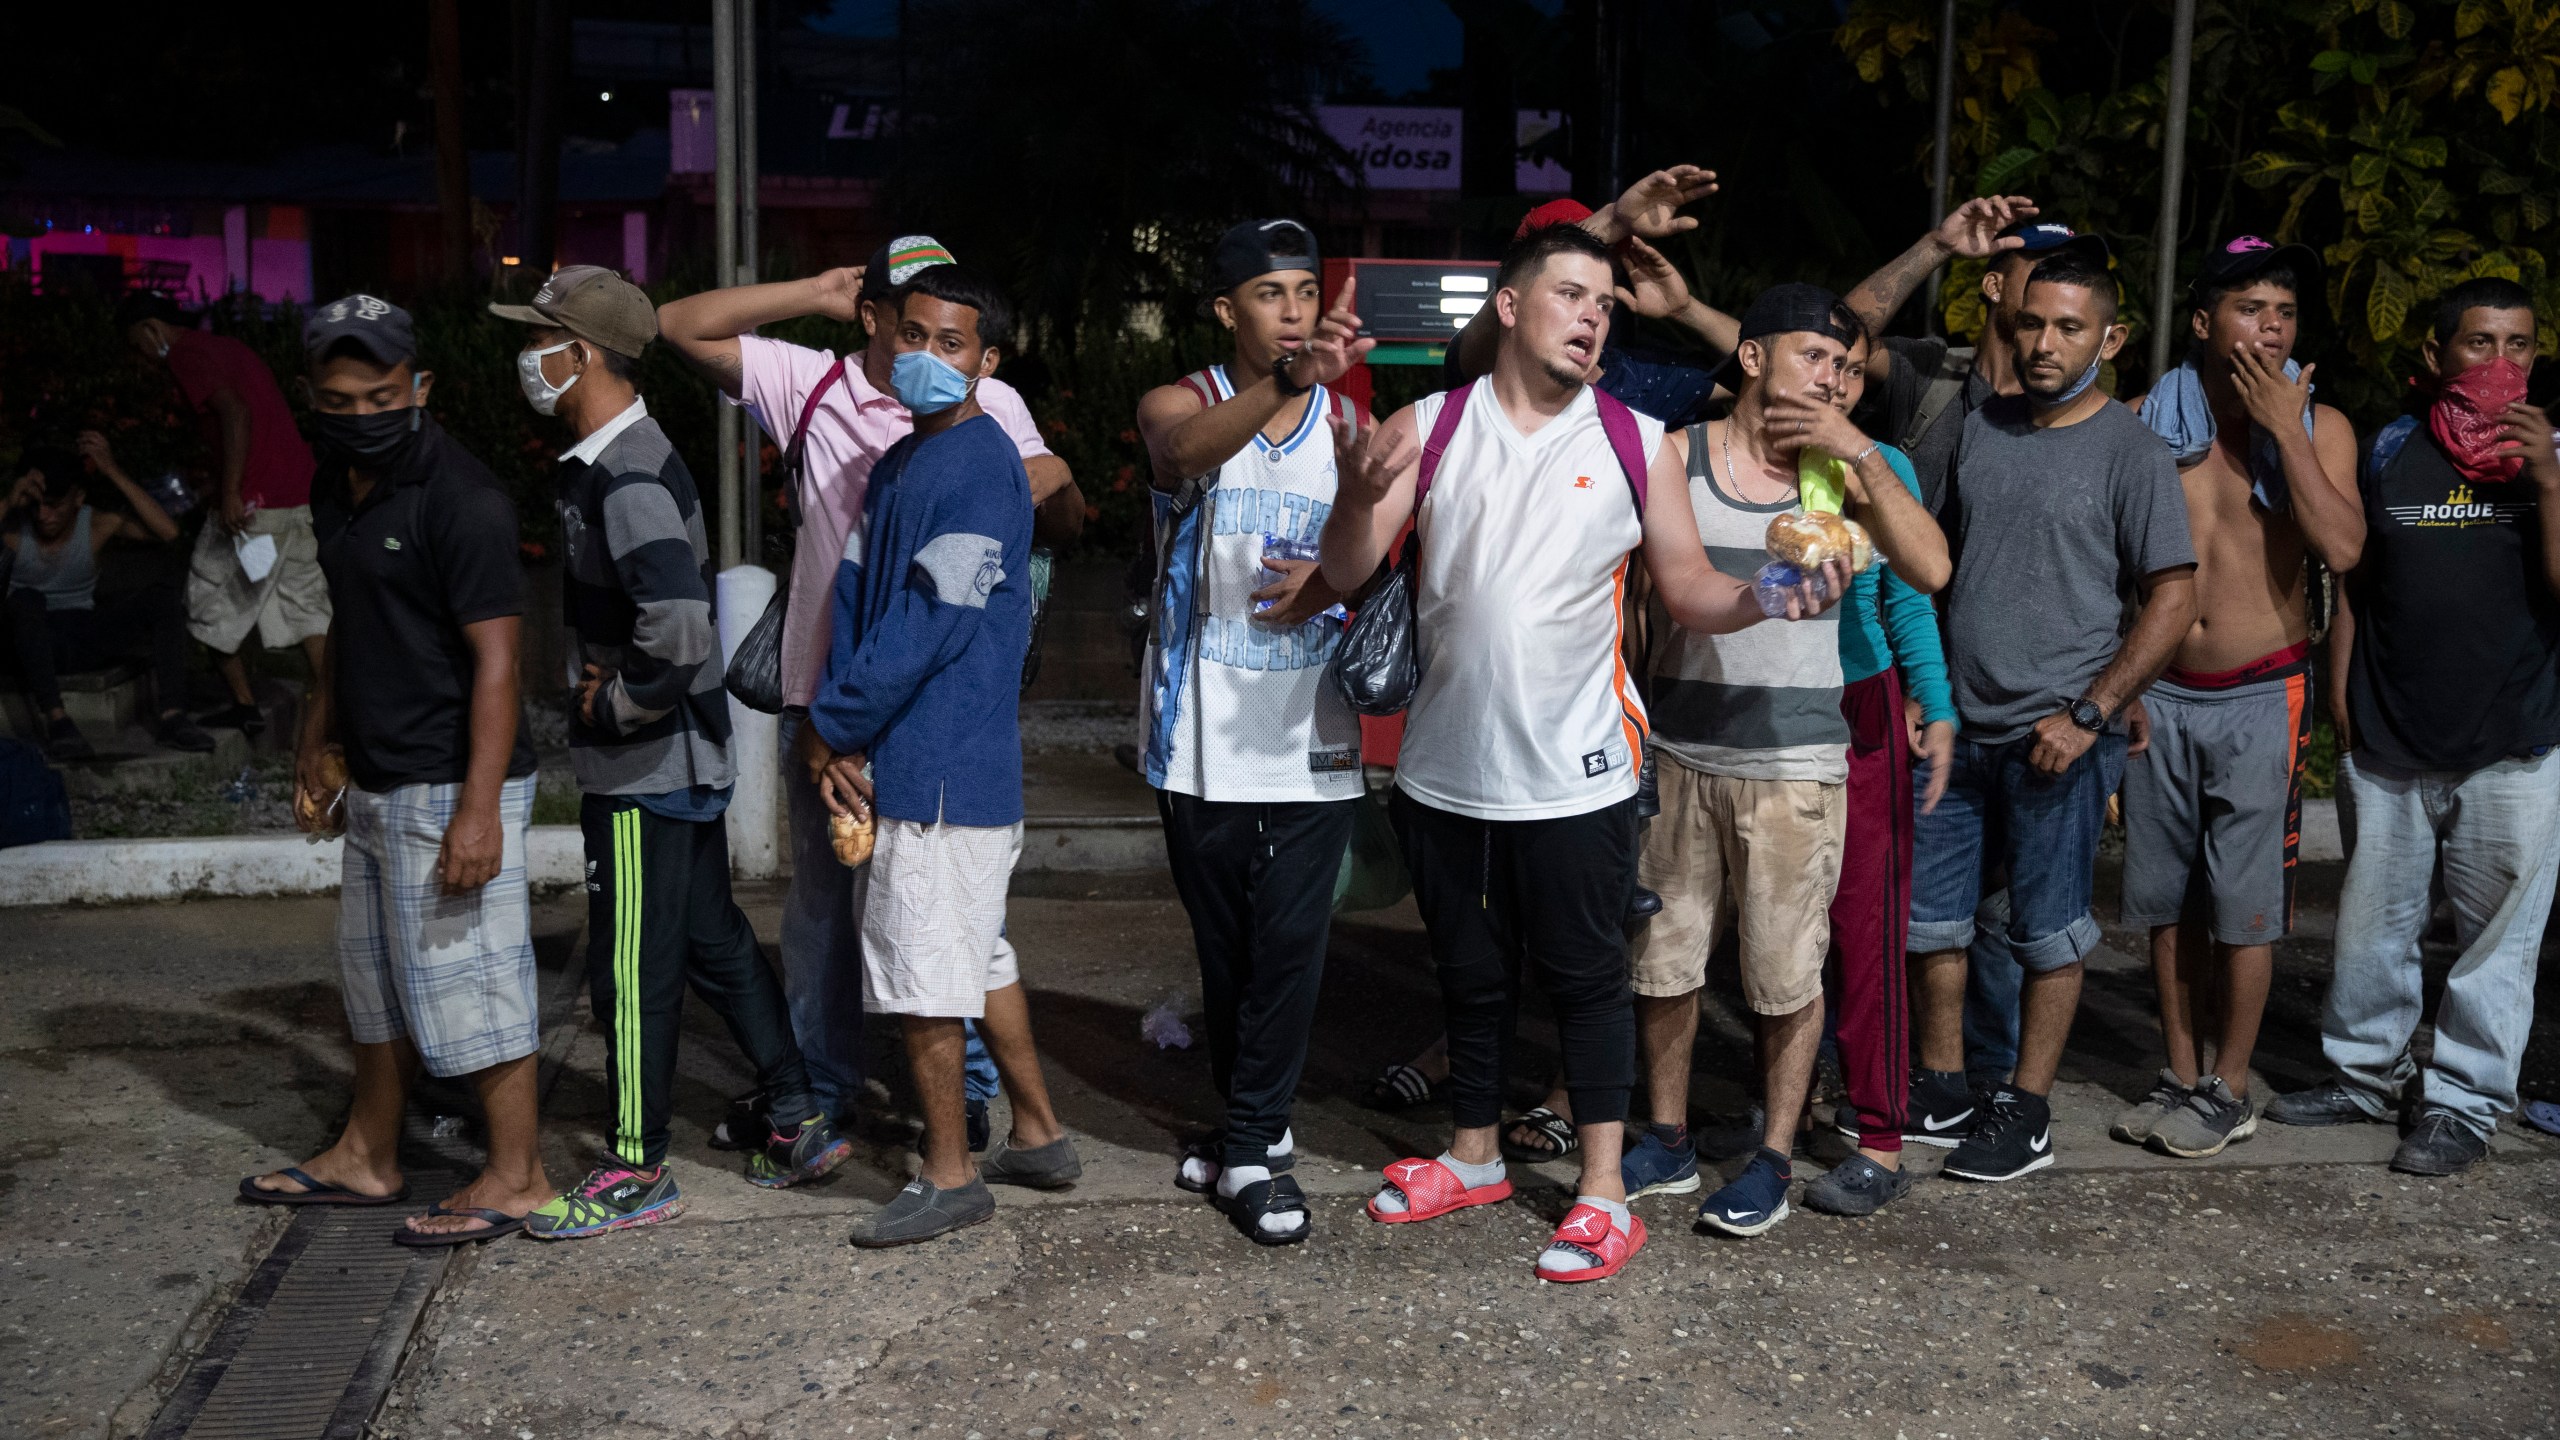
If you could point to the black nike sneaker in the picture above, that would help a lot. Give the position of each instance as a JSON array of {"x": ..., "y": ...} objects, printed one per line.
[
  {"x": 1942, "y": 1109},
  {"x": 2012, "y": 1137}
]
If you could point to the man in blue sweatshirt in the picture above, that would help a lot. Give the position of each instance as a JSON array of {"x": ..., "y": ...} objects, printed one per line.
[{"x": 933, "y": 614}]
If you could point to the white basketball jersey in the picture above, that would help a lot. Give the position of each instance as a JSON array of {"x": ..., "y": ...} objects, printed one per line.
[
  {"x": 1525, "y": 711},
  {"x": 1232, "y": 709}
]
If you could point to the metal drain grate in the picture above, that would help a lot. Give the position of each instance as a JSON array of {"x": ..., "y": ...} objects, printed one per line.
[{"x": 308, "y": 1348}]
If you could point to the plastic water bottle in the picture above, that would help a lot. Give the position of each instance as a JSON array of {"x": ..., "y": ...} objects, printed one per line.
[
  {"x": 1777, "y": 580},
  {"x": 1163, "y": 1027},
  {"x": 1278, "y": 547},
  {"x": 172, "y": 494}
]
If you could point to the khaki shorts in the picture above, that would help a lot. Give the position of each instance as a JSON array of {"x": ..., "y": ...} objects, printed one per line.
[
  {"x": 1769, "y": 849},
  {"x": 290, "y": 605},
  {"x": 933, "y": 939}
]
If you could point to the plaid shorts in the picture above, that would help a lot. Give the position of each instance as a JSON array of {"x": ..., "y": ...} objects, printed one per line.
[{"x": 452, "y": 972}]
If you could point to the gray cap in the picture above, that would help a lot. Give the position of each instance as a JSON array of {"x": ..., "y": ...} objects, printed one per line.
[{"x": 380, "y": 328}]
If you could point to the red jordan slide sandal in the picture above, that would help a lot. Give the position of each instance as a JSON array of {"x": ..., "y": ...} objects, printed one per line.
[
  {"x": 1431, "y": 1190},
  {"x": 1586, "y": 1230}
]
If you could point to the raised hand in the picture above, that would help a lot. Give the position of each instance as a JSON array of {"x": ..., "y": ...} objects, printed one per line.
[
  {"x": 2274, "y": 402},
  {"x": 1651, "y": 206},
  {"x": 1973, "y": 228},
  {"x": 1336, "y": 346},
  {"x": 94, "y": 448},
  {"x": 1655, "y": 287},
  {"x": 2527, "y": 435},
  {"x": 1797, "y": 420},
  {"x": 837, "y": 294},
  {"x": 1365, "y": 470}
]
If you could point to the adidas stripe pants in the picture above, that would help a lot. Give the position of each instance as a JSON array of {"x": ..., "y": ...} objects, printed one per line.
[{"x": 660, "y": 916}]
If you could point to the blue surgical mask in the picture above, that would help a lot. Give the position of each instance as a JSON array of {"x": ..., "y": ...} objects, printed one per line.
[
  {"x": 2080, "y": 386},
  {"x": 926, "y": 383}
]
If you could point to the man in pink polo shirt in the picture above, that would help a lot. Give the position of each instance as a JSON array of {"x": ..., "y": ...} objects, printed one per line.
[{"x": 854, "y": 420}]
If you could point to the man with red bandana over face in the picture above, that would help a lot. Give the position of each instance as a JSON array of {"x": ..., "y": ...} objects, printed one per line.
[{"x": 2448, "y": 642}]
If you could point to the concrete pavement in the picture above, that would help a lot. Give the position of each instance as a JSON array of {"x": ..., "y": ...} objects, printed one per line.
[{"x": 151, "y": 1055}]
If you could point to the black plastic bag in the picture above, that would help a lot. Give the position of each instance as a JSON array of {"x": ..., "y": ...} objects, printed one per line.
[
  {"x": 1374, "y": 667},
  {"x": 755, "y": 672}
]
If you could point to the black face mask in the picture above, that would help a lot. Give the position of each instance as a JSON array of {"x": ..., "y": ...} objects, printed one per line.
[{"x": 368, "y": 442}]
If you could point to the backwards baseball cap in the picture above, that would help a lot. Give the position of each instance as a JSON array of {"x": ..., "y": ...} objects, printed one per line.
[
  {"x": 594, "y": 304},
  {"x": 1258, "y": 247},
  {"x": 902, "y": 260},
  {"x": 2242, "y": 256},
  {"x": 1785, "y": 310},
  {"x": 2044, "y": 237},
  {"x": 373, "y": 325},
  {"x": 1567, "y": 211}
]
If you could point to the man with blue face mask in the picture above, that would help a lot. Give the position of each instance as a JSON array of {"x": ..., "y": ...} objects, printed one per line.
[
  {"x": 650, "y": 741},
  {"x": 932, "y": 615}
]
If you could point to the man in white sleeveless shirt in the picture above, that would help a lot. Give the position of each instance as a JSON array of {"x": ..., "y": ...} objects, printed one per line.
[
  {"x": 1517, "y": 777},
  {"x": 1254, "y": 757}
]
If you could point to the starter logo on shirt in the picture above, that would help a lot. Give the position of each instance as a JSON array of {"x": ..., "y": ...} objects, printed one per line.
[
  {"x": 1595, "y": 763},
  {"x": 1581, "y": 482}
]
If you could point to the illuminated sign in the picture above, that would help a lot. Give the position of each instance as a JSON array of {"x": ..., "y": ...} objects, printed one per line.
[{"x": 1424, "y": 300}]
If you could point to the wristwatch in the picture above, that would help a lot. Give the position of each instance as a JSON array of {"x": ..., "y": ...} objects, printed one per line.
[
  {"x": 2087, "y": 714},
  {"x": 1280, "y": 369}
]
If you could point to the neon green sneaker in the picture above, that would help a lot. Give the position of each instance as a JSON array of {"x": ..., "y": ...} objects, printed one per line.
[{"x": 612, "y": 1197}]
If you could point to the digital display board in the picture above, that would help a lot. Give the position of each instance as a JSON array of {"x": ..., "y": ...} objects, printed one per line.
[{"x": 1421, "y": 300}]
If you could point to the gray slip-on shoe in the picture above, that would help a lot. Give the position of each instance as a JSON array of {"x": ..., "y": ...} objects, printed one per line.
[
  {"x": 1053, "y": 1166},
  {"x": 1857, "y": 1186},
  {"x": 923, "y": 1211},
  {"x": 2331, "y": 1102}
]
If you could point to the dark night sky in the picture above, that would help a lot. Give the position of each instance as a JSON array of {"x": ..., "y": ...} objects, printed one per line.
[{"x": 1405, "y": 39}]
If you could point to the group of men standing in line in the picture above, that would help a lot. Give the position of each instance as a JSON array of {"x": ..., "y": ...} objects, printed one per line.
[{"x": 2073, "y": 598}]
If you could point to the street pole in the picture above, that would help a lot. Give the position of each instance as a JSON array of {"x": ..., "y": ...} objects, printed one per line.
[
  {"x": 724, "y": 225},
  {"x": 453, "y": 164},
  {"x": 1941, "y": 159},
  {"x": 751, "y": 450},
  {"x": 2173, "y": 165}
]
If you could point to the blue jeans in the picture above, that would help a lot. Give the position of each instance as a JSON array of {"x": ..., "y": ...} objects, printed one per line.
[
  {"x": 1992, "y": 979},
  {"x": 2000, "y": 813},
  {"x": 822, "y": 949},
  {"x": 2497, "y": 830}
]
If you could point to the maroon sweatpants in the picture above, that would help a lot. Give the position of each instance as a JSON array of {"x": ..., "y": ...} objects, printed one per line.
[{"x": 1872, "y": 912}]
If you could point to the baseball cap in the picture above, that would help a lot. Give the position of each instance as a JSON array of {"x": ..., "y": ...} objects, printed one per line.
[
  {"x": 2043, "y": 237},
  {"x": 374, "y": 325},
  {"x": 900, "y": 261},
  {"x": 594, "y": 304},
  {"x": 1567, "y": 211},
  {"x": 1784, "y": 310},
  {"x": 1258, "y": 247},
  {"x": 2242, "y": 256}
]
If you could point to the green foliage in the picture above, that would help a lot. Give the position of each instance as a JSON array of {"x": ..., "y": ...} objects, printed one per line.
[{"x": 2410, "y": 141}]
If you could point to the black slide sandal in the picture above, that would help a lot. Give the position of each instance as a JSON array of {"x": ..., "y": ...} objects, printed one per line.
[
  {"x": 314, "y": 1192},
  {"x": 1548, "y": 1125},
  {"x": 1213, "y": 1149},
  {"x": 1278, "y": 1195}
]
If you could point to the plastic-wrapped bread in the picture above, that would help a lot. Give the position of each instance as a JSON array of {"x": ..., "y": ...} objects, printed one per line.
[
  {"x": 324, "y": 814},
  {"x": 1807, "y": 538},
  {"x": 1862, "y": 551},
  {"x": 852, "y": 836}
]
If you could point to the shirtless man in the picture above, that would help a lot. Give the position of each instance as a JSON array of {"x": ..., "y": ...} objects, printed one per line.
[{"x": 2270, "y": 482}]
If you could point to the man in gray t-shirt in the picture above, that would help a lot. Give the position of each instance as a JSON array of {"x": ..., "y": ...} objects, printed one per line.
[{"x": 2060, "y": 506}]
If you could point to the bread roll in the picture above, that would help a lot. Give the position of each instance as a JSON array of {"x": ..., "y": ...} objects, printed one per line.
[
  {"x": 1862, "y": 551},
  {"x": 1805, "y": 539},
  {"x": 852, "y": 836}
]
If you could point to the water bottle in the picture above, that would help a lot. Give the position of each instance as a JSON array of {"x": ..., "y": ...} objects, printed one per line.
[
  {"x": 1777, "y": 580},
  {"x": 172, "y": 495},
  {"x": 1279, "y": 547}
]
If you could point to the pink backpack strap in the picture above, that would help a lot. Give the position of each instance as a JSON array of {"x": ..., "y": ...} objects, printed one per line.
[
  {"x": 1619, "y": 424},
  {"x": 1444, "y": 427}
]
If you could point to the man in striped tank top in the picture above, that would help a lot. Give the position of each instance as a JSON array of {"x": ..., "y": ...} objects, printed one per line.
[
  {"x": 1516, "y": 782},
  {"x": 1254, "y": 757},
  {"x": 1752, "y": 750}
]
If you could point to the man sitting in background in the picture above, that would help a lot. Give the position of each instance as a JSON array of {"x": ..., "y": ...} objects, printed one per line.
[
  {"x": 58, "y": 619},
  {"x": 256, "y": 565}
]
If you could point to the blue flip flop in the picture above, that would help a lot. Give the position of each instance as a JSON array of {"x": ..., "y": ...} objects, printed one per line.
[
  {"x": 2542, "y": 1115},
  {"x": 500, "y": 1223},
  {"x": 314, "y": 1192}
]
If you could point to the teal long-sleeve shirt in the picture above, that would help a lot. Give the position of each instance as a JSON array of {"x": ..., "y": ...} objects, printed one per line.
[{"x": 1889, "y": 623}]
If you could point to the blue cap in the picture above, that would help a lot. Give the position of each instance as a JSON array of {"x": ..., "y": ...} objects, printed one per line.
[{"x": 2043, "y": 237}]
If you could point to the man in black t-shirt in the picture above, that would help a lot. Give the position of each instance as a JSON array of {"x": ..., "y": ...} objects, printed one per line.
[
  {"x": 413, "y": 741},
  {"x": 2448, "y": 641}
]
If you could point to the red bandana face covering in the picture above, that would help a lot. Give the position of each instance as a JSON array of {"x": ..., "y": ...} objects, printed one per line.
[{"x": 2469, "y": 415}]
